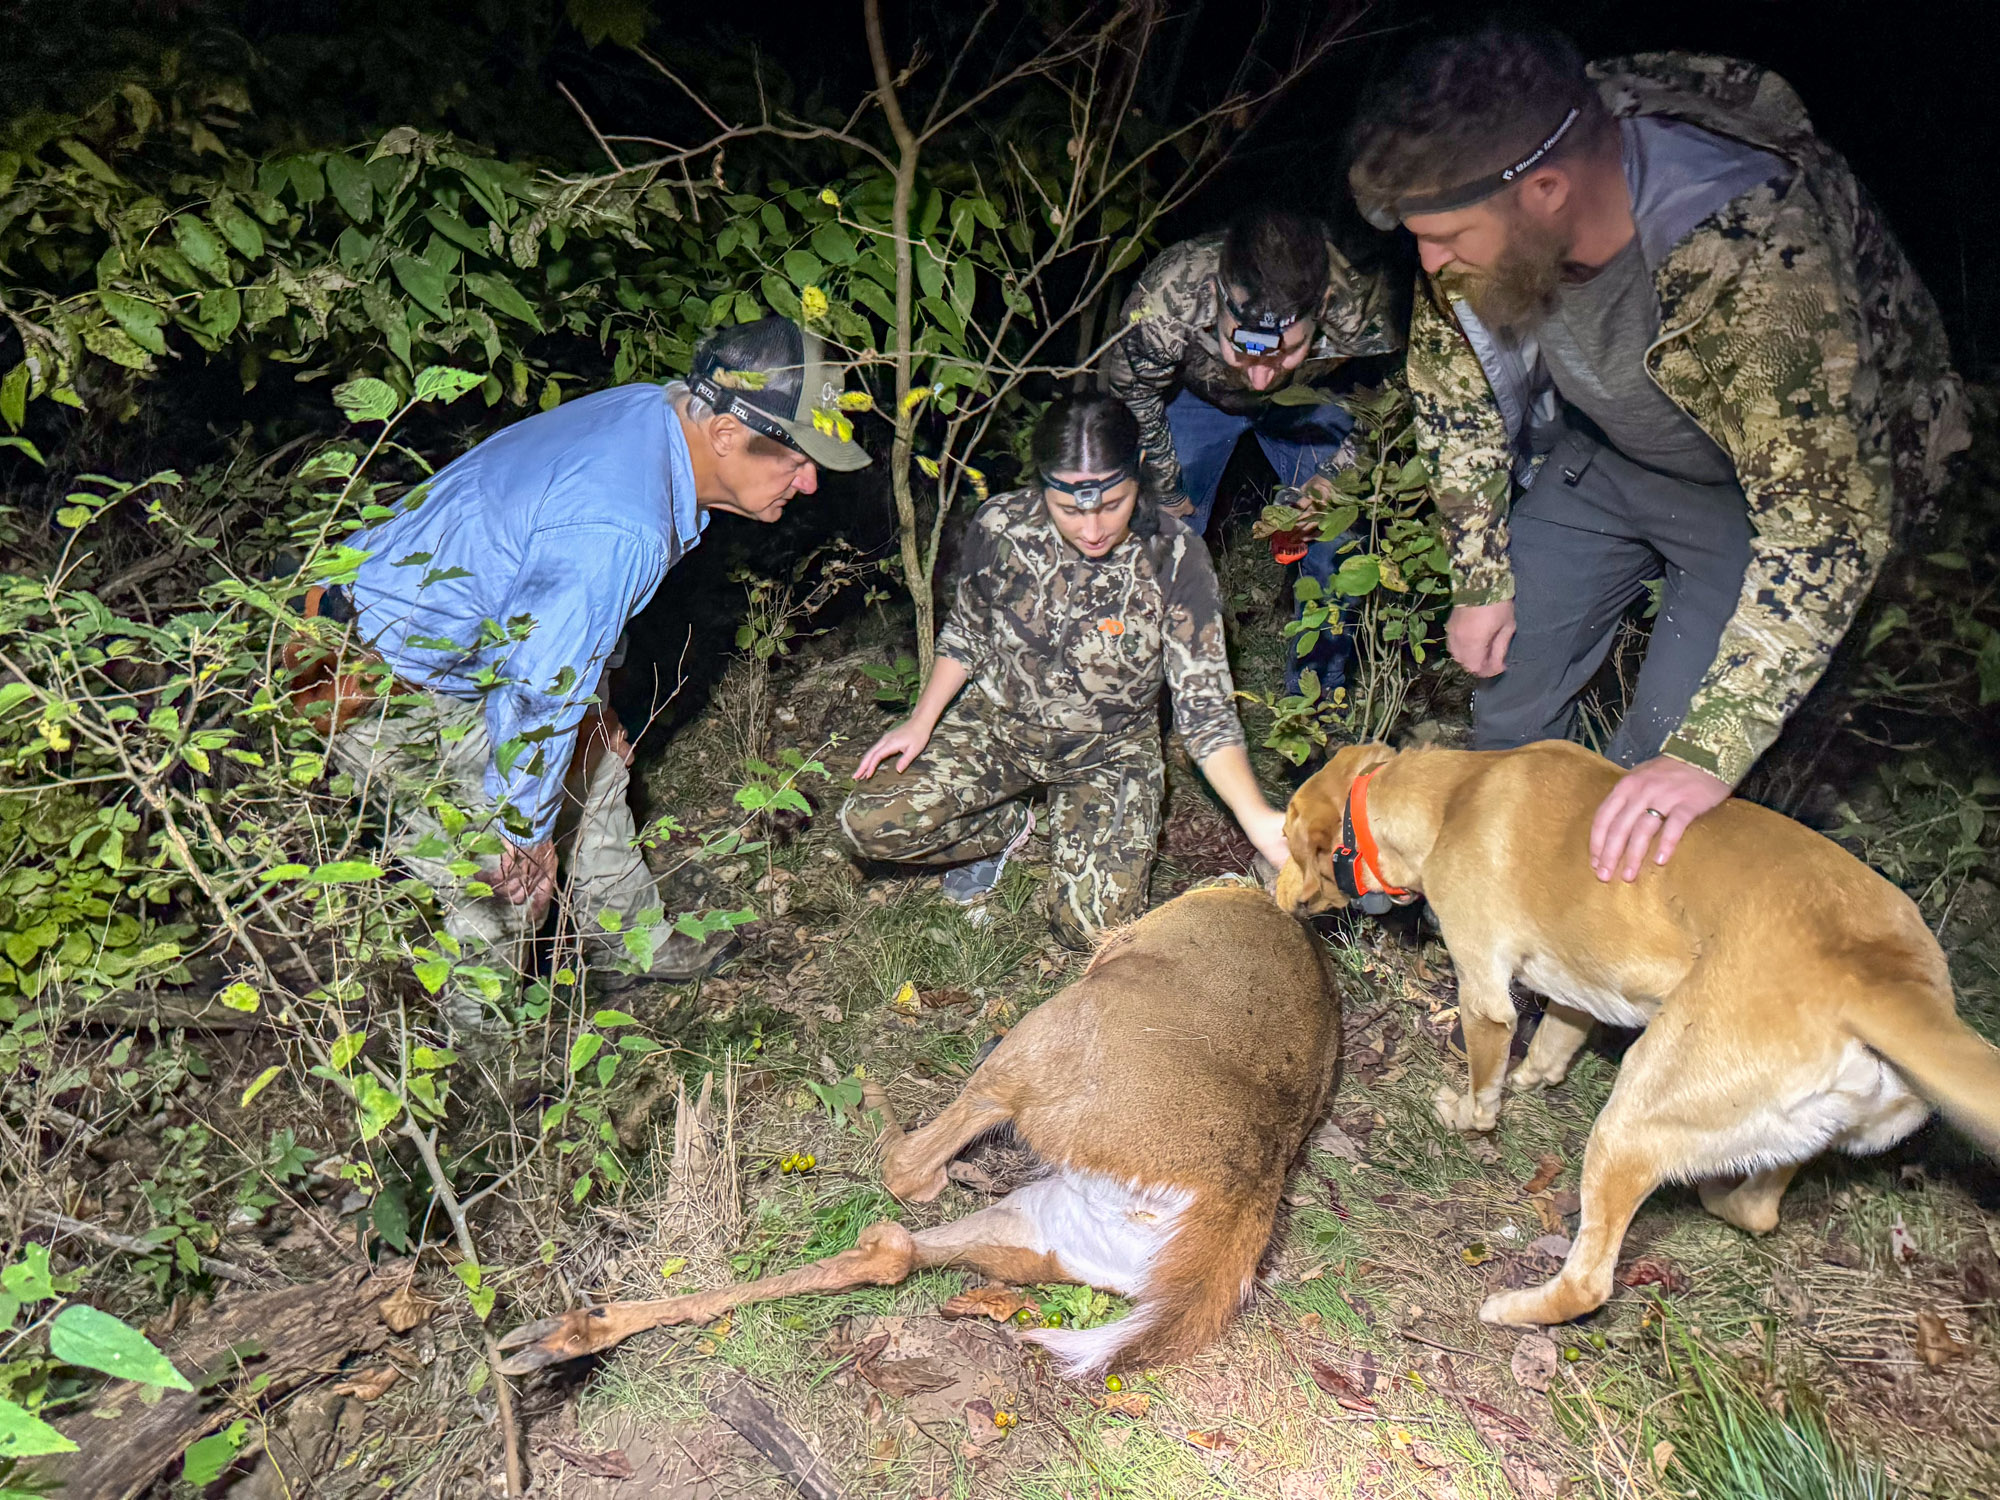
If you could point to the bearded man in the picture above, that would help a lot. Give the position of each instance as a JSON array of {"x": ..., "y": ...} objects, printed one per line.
[{"x": 1666, "y": 336}]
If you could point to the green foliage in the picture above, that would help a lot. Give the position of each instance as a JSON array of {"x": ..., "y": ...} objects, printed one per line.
[
  {"x": 899, "y": 685},
  {"x": 841, "y": 1101},
  {"x": 1394, "y": 581}
]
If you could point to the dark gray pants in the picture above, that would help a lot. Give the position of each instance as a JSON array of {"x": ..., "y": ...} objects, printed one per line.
[{"x": 1585, "y": 539}]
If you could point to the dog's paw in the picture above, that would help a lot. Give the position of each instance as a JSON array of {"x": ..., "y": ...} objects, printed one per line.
[
  {"x": 1525, "y": 1309},
  {"x": 1527, "y": 1078},
  {"x": 1463, "y": 1112}
]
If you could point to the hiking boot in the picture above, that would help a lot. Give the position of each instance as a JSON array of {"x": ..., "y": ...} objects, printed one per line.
[
  {"x": 676, "y": 961},
  {"x": 967, "y": 883}
]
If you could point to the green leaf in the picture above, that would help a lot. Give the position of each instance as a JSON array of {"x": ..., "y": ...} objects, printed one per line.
[
  {"x": 429, "y": 287},
  {"x": 444, "y": 383},
  {"x": 284, "y": 872},
  {"x": 240, "y": 996},
  {"x": 25, "y": 1435},
  {"x": 366, "y": 399},
  {"x": 141, "y": 320},
  {"x": 583, "y": 1049},
  {"x": 1358, "y": 575},
  {"x": 379, "y": 1107},
  {"x": 621, "y": 22},
  {"x": 348, "y": 1047},
  {"x": 390, "y": 1214},
  {"x": 308, "y": 182},
  {"x": 804, "y": 268},
  {"x": 202, "y": 246},
  {"x": 14, "y": 396},
  {"x": 259, "y": 1084},
  {"x": 93, "y": 1340},
  {"x": 345, "y": 872},
  {"x": 26, "y": 447},
  {"x": 206, "y": 1458},
  {"x": 351, "y": 188},
  {"x": 220, "y": 310},
  {"x": 834, "y": 244},
  {"x": 89, "y": 160},
  {"x": 613, "y": 1018},
  {"x": 432, "y": 974},
  {"x": 501, "y": 295},
  {"x": 242, "y": 231}
]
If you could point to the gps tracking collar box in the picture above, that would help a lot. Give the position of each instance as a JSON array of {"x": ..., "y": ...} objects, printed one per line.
[{"x": 1090, "y": 494}]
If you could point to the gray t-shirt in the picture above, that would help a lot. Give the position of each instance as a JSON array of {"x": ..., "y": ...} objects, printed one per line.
[{"x": 1594, "y": 345}]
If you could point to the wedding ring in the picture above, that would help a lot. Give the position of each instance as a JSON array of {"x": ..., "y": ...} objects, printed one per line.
[{"x": 1654, "y": 812}]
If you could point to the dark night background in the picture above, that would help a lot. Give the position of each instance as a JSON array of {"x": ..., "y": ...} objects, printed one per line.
[{"x": 1905, "y": 92}]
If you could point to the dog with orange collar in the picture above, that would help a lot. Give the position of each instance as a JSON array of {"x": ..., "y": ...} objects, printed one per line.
[{"x": 1793, "y": 1000}]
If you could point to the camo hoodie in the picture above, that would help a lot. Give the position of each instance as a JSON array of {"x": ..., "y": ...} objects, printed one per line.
[
  {"x": 1170, "y": 343},
  {"x": 1795, "y": 332},
  {"x": 1069, "y": 643}
]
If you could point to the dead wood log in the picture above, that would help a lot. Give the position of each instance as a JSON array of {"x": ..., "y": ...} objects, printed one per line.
[
  {"x": 758, "y": 1424},
  {"x": 290, "y": 1335}
]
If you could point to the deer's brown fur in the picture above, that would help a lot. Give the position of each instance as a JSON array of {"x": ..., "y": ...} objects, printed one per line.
[{"x": 1166, "y": 1092}]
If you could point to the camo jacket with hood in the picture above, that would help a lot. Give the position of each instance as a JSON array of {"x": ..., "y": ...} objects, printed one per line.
[
  {"x": 1170, "y": 343},
  {"x": 1796, "y": 333},
  {"x": 1065, "y": 642}
]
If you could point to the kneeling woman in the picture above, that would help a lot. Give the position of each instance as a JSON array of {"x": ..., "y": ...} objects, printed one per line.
[{"x": 1077, "y": 602}]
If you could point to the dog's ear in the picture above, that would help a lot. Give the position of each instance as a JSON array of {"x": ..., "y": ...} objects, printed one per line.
[{"x": 1312, "y": 829}]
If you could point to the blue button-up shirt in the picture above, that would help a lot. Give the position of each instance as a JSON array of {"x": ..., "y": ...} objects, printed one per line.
[{"x": 513, "y": 575}]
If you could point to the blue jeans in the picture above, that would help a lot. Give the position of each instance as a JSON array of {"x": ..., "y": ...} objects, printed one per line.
[{"x": 1297, "y": 440}]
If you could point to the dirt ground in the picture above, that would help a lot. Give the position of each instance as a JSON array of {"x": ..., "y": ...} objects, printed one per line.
[{"x": 1358, "y": 1368}]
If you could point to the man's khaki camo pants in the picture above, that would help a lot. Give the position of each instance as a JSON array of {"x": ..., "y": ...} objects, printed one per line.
[
  {"x": 965, "y": 798},
  {"x": 406, "y": 764}
]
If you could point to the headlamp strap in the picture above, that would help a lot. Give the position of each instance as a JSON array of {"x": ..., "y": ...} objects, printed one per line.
[
  {"x": 728, "y": 402},
  {"x": 1088, "y": 494},
  {"x": 1479, "y": 189}
]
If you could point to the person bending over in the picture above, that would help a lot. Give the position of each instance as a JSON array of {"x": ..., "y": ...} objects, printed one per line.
[
  {"x": 1078, "y": 602},
  {"x": 1666, "y": 336}
]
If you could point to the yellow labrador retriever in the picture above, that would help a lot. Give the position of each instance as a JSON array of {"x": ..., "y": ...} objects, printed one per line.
[{"x": 1793, "y": 999}]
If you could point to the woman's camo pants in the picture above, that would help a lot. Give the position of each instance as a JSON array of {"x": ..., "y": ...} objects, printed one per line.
[{"x": 965, "y": 798}]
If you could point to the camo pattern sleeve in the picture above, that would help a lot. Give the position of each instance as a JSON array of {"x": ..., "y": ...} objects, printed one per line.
[
  {"x": 1463, "y": 439},
  {"x": 1143, "y": 366},
  {"x": 967, "y": 634},
  {"x": 1772, "y": 371},
  {"x": 1193, "y": 646}
]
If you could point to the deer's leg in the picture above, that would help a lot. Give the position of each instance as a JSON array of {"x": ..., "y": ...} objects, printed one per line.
[
  {"x": 913, "y": 1164},
  {"x": 885, "y": 1254}
]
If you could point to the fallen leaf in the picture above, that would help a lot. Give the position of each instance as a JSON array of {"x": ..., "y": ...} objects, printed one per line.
[
  {"x": 1344, "y": 1388},
  {"x": 1663, "y": 1455},
  {"x": 1545, "y": 1210},
  {"x": 990, "y": 1301},
  {"x": 372, "y": 1385},
  {"x": 1300, "y": 1200},
  {"x": 1212, "y": 1442},
  {"x": 1311, "y": 1322},
  {"x": 1493, "y": 1424},
  {"x": 1653, "y": 1270},
  {"x": 906, "y": 1377},
  {"x": 403, "y": 1309},
  {"x": 1484, "y": 1151},
  {"x": 1547, "y": 1170},
  {"x": 1476, "y": 1254},
  {"x": 1331, "y": 1139},
  {"x": 608, "y": 1463},
  {"x": 943, "y": 999},
  {"x": 1371, "y": 1372},
  {"x": 1936, "y": 1345},
  {"x": 1565, "y": 1201},
  {"x": 1124, "y": 1403},
  {"x": 1534, "y": 1362},
  {"x": 1530, "y": 1480},
  {"x": 1425, "y": 1456},
  {"x": 981, "y": 1430},
  {"x": 905, "y": 998},
  {"x": 1554, "y": 1246},
  {"x": 1902, "y": 1244}
]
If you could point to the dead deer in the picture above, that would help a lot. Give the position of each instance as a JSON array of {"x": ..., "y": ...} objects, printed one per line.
[{"x": 1166, "y": 1093}]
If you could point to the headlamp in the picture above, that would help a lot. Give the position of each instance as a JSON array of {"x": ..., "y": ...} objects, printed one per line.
[
  {"x": 728, "y": 403},
  {"x": 1089, "y": 494},
  {"x": 1387, "y": 215},
  {"x": 1257, "y": 333}
]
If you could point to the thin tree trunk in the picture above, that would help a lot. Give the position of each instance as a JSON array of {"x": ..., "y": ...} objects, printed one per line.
[{"x": 916, "y": 567}]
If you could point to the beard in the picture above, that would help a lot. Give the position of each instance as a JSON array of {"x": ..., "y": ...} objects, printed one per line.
[{"x": 1518, "y": 291}]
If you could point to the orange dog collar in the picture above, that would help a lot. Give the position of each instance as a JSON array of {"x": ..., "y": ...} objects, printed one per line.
[{"x": 1359, "y": 855}]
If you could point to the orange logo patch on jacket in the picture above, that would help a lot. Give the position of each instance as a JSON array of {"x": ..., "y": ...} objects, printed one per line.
[{"x": 1111, "y": 627}]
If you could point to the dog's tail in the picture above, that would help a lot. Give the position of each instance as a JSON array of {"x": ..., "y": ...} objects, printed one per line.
[
  {"x": 1194, "y": 1287},
  {"x": 1949, "y": 1063}
]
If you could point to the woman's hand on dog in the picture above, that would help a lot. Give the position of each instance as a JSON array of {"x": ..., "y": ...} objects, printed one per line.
[{"x": 1660, "y": 796}]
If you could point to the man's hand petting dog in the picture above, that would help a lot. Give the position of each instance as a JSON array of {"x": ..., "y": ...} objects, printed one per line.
[{"x": 1660, "y": 796}]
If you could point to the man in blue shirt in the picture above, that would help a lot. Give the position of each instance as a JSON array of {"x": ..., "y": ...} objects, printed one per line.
[{"x": 500, "y": 593}]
